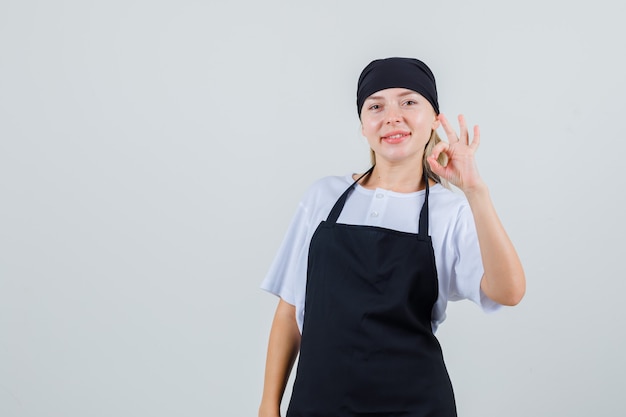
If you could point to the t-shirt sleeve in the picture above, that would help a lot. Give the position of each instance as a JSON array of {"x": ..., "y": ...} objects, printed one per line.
[
  {"x": 467, "y": 271},
  {"x": 288, "y": 270}
]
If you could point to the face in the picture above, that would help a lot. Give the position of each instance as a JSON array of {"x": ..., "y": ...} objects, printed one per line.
[{"x": 397, "y": 123}]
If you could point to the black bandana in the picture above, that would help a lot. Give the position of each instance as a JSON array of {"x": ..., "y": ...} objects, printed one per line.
[{"x": 397, "y": 73}]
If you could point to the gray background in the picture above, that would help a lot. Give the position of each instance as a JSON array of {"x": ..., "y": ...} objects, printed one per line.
[{"x": 153, "y": 152}]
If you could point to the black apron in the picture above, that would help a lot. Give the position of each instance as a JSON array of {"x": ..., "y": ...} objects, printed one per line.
[{"x": 367, "y": 346}]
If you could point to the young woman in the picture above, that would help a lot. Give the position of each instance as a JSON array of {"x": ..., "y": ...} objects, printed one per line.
[{"x": 370, "y": 262}]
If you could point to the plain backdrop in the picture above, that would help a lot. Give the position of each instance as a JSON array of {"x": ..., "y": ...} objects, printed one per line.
[{"x": 153, "y": 152}]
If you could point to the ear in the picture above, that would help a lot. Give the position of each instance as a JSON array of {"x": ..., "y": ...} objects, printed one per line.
[{"x": 436, "y": 123}]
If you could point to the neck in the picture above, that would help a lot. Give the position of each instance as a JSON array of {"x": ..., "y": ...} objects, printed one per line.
[{"x": 399, "y": 178}]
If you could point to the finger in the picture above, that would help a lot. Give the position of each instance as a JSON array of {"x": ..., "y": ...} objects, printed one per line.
[
  {"x": 464, "y": 136},
  {"x": 435, "y": 166},
  {"x": 476, "y": 139},
  {"x": 450, "y": 133},
  {"x": 437, "y": 149}
]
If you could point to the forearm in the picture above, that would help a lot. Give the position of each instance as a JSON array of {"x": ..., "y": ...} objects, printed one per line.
[
  {"x": 504, "y": 280},
  {"x": 283, "y": 346}
]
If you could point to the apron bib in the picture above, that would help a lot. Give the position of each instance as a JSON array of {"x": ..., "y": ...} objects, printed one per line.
[{"x": 367, "y": 346}]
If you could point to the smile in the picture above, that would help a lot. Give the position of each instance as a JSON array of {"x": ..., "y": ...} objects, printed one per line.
[{"x": 395, "y": 137}]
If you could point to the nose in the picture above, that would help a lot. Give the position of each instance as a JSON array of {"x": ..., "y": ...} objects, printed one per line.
[{"x": 393, "y": 115}]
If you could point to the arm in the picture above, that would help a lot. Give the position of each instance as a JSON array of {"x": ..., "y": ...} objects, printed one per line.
[
  {"x": 282, "y": 351},
  {"x": 503, "y": 280}
]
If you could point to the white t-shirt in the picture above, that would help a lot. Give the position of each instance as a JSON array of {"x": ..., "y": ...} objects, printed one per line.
[{"x": 451, "y": 227}]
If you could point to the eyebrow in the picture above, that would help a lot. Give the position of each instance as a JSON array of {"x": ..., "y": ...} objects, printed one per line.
[{"x": 406, "y": 93}]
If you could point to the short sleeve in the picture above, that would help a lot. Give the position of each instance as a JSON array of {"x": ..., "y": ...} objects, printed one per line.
[
  {"x": 467, "y": 270},
  {"x": 286, "y": 277}
]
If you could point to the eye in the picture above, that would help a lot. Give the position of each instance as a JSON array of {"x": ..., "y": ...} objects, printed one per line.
[
  {"x": 410, "y": 102},
  {"x": 374, "y": 107}
]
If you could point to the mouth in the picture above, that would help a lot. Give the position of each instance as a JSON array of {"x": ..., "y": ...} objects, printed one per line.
[{"x": 395, "y": 137}]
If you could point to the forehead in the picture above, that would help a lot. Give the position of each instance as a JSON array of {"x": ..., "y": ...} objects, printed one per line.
[{"x": 392, "y": 93}]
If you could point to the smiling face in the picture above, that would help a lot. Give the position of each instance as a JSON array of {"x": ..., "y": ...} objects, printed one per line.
[{"x": 397, "y": 123}]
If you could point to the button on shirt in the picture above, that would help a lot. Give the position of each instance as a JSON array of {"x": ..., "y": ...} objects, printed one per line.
[{"x": 377, "y": 208}]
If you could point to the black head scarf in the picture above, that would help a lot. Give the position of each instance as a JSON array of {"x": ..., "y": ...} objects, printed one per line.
[{"x": 408, "y": 73}]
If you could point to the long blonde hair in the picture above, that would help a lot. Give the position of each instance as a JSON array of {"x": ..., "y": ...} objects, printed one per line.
[{"x": 442, "y": 159}]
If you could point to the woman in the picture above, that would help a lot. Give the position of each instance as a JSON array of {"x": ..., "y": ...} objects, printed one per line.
[{"x": 375, "y": 258}]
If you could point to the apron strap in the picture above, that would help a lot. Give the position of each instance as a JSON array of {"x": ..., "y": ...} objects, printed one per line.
[
  {"x": 423, "y": 222},
  {"x": 336, "y": 211}
]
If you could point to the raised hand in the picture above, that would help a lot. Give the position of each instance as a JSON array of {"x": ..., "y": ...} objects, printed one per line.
[{"x": 461, "y": 169}]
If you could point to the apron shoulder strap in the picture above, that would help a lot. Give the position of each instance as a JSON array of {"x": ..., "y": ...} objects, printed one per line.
[
  {"x": 336, "y": 210},
  {"x": 423, "y": 222}
]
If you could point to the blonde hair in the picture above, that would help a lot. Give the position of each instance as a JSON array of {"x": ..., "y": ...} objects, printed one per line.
[{"x": 442, "y": 159}]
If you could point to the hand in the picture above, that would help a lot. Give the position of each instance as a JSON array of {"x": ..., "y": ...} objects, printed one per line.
[{"x": 461, "y": 168}]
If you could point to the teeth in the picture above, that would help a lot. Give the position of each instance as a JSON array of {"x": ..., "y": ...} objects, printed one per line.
[{"x": 395, "y": 136}]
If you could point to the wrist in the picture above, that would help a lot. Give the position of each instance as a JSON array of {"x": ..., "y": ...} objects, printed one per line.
[
  {"x": 269, "y": 409},
  {"x": 476, "y": 191}
]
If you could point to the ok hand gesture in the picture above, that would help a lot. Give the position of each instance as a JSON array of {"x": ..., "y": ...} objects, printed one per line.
[{"x": 461, "y": 168}]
